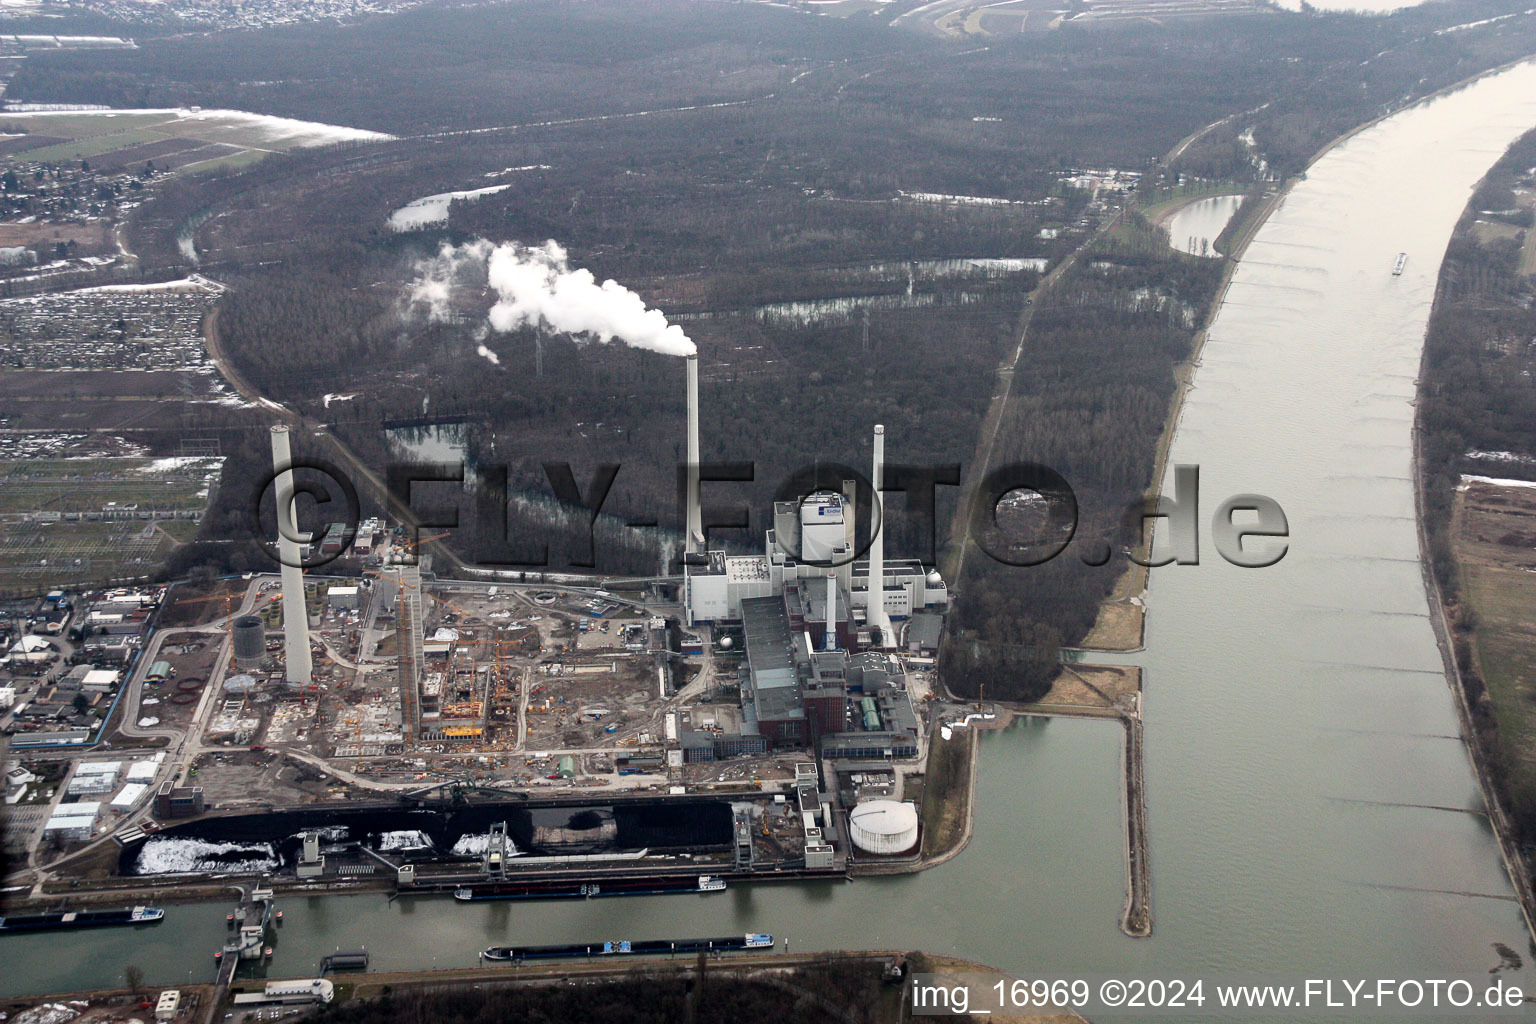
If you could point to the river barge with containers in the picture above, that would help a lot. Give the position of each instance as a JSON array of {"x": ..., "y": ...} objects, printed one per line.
[
  {"x": 624, "y": 947},
  {"x": 575, "y": 889},
  {"x": 79, "y": 919}
]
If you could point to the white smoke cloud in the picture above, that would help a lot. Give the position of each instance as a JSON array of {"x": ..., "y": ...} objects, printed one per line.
[
  {"x": 492, "y": 356},
  {"x": 536, "y": 286},
  {"x": 436, "y": 276}
]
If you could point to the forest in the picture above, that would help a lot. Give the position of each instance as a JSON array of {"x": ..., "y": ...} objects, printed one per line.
[
  {"x": 724, "y": 159},
  {"x": 1102, "y": 351},
  {"x": 715, "y": 992}
]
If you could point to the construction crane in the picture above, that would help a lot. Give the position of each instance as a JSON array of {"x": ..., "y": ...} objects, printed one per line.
[{"x": 229, "y": 612}]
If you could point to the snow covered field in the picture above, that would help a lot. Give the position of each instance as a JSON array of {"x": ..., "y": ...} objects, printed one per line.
[{"x": 99, "y": 131}]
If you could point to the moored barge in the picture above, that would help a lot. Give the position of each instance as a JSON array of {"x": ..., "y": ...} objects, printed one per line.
[{"x": 624, "y": 947}]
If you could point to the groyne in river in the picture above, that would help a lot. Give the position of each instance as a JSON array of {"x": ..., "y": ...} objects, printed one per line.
[{"x": 1299, "y": 730}]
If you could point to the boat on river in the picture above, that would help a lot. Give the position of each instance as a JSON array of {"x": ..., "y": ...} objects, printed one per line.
[
  {"x": 79, "y": 919},
  {"x": 624, "y": 947},
  {"x": 589, "y": 889}
]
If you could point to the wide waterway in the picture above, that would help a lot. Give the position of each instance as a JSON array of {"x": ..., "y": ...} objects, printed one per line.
[{"x": 1298, "y": 726}]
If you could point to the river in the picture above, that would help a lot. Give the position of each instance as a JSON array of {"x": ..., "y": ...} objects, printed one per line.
[{"x": 1294, "y": 714}]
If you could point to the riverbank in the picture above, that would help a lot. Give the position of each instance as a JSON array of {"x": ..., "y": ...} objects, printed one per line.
[
  {"x": 1120, "y": 626},
  {"x": 1473, "y": 551},
  {"x": 206, "y": 1003}
]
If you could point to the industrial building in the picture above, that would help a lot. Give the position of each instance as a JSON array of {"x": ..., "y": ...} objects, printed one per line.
[
  {"x": 173, "y": 801},
  {"x": 816, "y": 631},
  {"x": 299, "y": 991},
  {"x": 807, "y": 557}
]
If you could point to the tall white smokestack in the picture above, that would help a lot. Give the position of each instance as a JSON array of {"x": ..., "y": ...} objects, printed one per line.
[
  {"x": 829, "y": 642},
  {"x": 295, "y": 615},
  {"x": 694, "y": 528},
  {"x": 876, "y": 609}
]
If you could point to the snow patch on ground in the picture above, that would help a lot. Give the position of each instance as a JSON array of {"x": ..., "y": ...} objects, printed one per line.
[
  {"x": 1501, "y": 457},
  {"x": 942, "y": 197},
  {"x": 1493, "y": 481},
  {"x": 192, "y": 283},
  {"x": 276, "y": 132},
  {"x": 419, "y": 213},
  {"x": 171, "y": 464}
]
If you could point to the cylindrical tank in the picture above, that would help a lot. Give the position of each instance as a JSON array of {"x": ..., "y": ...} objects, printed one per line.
[
  {"x": 871, "y": 714},
  {"x": 250, "y": 641},
  {"x": 883, "y": 826}
]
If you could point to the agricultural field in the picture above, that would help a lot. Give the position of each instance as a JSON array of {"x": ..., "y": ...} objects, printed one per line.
[
  {"x": 1495, "y": 538},
  {"x": 171, "y": 139}
]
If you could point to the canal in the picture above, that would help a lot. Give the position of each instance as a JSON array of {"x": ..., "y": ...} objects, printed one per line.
[{"x": 1311, "y": 808}]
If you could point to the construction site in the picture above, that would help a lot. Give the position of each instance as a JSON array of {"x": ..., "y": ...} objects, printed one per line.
[{"x": 756, "y": 712}]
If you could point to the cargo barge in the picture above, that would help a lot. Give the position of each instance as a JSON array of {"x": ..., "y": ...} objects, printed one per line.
[
  {"x": 79, "y": 919},
  {"x": 576, "y": 890},
  {"x": 517, "y": 954}
]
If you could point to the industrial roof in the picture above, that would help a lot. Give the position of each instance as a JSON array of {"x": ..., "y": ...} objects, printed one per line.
[
  {"x": 770, "y": 659},
  {"x": 925, "y": 629},
  {"x": 130, "y": 795},
  {"x": 141, "y": 770},
  {"x": 83, "y": 821},
  {"x": 884, "y": 817},
  {"x": 746, "y": 568}
]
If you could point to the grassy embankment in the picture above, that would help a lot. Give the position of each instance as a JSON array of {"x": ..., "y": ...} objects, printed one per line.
[{"x": 946, "y": 803}]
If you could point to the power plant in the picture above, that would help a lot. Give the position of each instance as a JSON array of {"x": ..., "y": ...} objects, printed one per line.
[
  {"x": 808, "y": 539},
  {"x": 298, "y": 669},
  {"x": 819, "y": 625}
]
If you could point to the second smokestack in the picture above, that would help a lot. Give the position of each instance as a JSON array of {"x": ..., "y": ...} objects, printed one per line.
[
  {"x": 876, "y": 589},
  {"x": 694, "y": 527}
]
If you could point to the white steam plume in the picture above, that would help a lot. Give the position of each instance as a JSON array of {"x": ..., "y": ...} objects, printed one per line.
[
  {"x": 435, "y": 276},
  {"x": 536, "y": 287}
]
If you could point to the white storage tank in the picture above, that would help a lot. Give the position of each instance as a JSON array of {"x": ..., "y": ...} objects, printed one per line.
[{"x": 883, "y": 826}]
